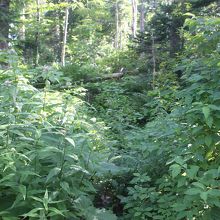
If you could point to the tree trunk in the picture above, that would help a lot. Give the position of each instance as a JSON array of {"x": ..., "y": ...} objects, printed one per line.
[
  {"x": 22, "y": 32},
  {"x": 153, "y": 59},
  {"x": 121, "y": 39},
  {"x": 60, "y": 36},
  {"x": 37, "y": 35},
  {"x": 65, "y": 29},
  {"x": 142, "y": 17},
  {"x": 113, "y": 76},
  {"x": 117, "y": 25},
  {"x": 134, "y": 18},
  {"x": 4, "y": 23}
]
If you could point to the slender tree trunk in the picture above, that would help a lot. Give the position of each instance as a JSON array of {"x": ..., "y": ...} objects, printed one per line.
[
  {"x": 142, "y": 17},
  {"x": 4, "y": 23},
  {"x": 121, "y": 39},
  {"x": 37, "y": 35},
  {"x": 116, "y": 24},
  {"x": 153, "y": 59},
  {"x": 65, "y": 30},
  {"x": 134, "y": 17},
  {"x": 22, "y": 33},
  {"x": 60, "y": 35}
]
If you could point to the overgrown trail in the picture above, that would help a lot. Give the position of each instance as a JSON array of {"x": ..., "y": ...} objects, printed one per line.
[{"x": 109, "y": 110}]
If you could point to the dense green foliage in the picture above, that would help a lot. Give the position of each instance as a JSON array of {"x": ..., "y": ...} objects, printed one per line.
[
  {"x": 183, "y": 143},
  {"x": 48, "y": 151},
  {"x": 127, "y": 128}
]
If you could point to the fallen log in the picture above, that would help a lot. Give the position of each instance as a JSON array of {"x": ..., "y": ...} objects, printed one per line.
[{"x": 113, "y": 76}]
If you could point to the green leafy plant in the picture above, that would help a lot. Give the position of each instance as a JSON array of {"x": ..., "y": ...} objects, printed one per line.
[
  {"x": 189, "y": 186},
  {"x": 48, "y": 151}
]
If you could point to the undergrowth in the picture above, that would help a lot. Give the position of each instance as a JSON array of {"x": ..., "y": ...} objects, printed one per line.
[{"x": 122, "y": 147}]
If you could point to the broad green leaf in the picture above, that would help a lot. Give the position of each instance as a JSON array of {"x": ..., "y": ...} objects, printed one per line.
[
  {"x": 54, "y": 172},
  {"x": 54, "y": 211},
  {"x": 136, "y": 214},
  {"x": 181, "y": 215},
  {"x": 89, "y": 186},
  {"x": 175, "y": 170},
  {"x": 199, "y": 185},
  {"x": 193, "y": 191},
  {"x": 71, "y": 141},
  {"x": 71, "y": 157},
  {"x": 189, "y": 14},
  {"x": 214, "y": 107},
  {"x": 143, "y": 196},
  {"x": 4, "y": 127},
  {"x": 37, "y": 199},
  {"x": 207, "y": 115},
  {"x": 3, "y": 213},
  {"x": 46, "y": 200},
  {"x": 107, "y": 167},
  {"x": 216, "y": 201},
  {"x": 33, "y": 213},
  {"x": 181, "y": 181},
  {"x": 208, "y": 140},
  {"x": 52, "y": 139},
  {"x": 204, "y": 196},
  {"x": 26, "y": 173},
  {"x": 192, "y": 171},
  {"x": 49, "y": 149},
  {"x": 179, "y": 207},
  {"x": 19, "y": 199},
  {"x": 78, "y": 168},
  {"x": 209, "y": 121},
  {"x": 206, "y": 112},
  {"x": 22, "y": 190},
  {"x": 216, "y": 95},
  {"x": 179, "y": 160},
  {"x": 65, "y": 186},
  {"x": 214, "y": 192},
  {"x": 19, "y": 133},
  {"x": 8, "y": 177},
  {"x": 26, "y": 139}
]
